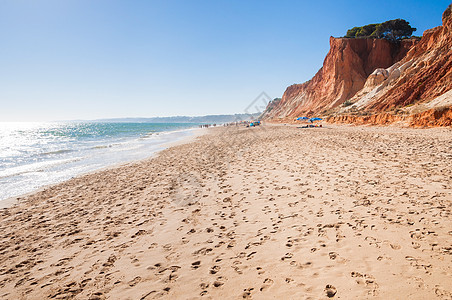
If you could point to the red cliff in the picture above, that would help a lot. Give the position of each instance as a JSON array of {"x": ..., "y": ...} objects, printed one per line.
[
  {"x": 424, "y": 74},
  {"x": 378, "y": 81},
  {"x": 345, "y": 70}
]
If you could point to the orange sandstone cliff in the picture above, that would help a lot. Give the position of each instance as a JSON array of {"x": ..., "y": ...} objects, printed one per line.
[{"x": 377, "y": 81}]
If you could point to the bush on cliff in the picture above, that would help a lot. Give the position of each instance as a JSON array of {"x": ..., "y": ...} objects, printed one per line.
[{"x": 392, "y": 30}]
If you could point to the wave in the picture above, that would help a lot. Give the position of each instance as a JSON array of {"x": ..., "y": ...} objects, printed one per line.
[
  {"x": 56, "y": 152},
  {"x": 35, "y": 167},
  {"x": 148, "y": 135},
  {"x": 102, "y": 147}
]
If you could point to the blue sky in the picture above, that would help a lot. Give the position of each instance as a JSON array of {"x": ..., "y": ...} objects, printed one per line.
[{"x": 62, "y": 60}]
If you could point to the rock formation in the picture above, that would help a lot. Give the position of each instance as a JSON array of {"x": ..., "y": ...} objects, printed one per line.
[
  {"x": 365, "y": 77},
  {"x": 345, "y": 70},
  {"x": 424, "y": 74}
]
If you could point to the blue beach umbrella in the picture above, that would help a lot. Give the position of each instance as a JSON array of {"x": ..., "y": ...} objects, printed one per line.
[
  {"x": 303, "y": 118},
  {"x": 315, "y": 119}
]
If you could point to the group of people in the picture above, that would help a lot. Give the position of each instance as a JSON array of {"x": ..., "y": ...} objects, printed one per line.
[
  {"x": 253, "y": 124},
  {"x": 207, "y": 125},
  {"x": 311, "y": 126},
  {"x": 238, "y": 123}
]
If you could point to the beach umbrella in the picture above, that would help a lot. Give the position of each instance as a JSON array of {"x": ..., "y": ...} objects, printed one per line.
[
  {"x": 315, "y": 119},
  {"x": 302, "y": 118}
]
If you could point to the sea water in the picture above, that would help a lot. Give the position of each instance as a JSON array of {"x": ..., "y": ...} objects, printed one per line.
[{"x": 33, "y": 155}]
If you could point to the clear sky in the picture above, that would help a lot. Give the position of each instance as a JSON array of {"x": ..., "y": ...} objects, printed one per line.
[{"x": 88, "y": 59}]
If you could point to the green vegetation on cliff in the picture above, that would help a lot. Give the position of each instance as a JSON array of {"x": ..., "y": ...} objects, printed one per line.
[{"x": 392, "y": 30}]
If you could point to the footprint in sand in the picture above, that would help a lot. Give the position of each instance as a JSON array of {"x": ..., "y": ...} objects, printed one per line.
[
  {"x": 416, "y": 245},
  {"x": 134, "y": 281},
  {"x": 247, "y": 293},
  {"x": 204, "y": 285},
  {"x": 333, "y": 255},
  {"x": 330, "y": 291},
  {"x": 196, "y": 264},
  {"x": 287, "y": 256},
  {"x": 395, "y": 246},
  {"x": 215, "y": 269},
  {"x": 267, "y": 283}
]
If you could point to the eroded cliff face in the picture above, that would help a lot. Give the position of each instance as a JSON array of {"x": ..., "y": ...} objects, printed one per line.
[
  {"x": 435, "y": 117},
  {"x": 345, "y": 70},
  {"x": 378, "y": 82},
  {"x": 422, "y": 76}
]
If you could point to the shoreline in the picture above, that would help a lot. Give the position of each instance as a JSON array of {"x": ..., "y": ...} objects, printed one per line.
[
  {"x": 265, "y": 212},
  {"x": 8, "y": 202}
]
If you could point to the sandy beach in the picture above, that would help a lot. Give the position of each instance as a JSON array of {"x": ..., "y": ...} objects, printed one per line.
[{"x": 274, "y": 212}]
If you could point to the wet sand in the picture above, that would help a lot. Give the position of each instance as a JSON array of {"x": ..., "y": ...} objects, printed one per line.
[{"x": 274, "y": 212}]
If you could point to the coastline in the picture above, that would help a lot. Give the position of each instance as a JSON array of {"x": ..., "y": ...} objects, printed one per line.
[
  {"x": 272, "y": 211},
  {"x": 8, "y": 202}
]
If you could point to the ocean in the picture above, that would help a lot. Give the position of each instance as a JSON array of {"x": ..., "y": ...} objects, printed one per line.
[{"x": 33, "y": 155}]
